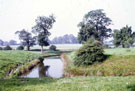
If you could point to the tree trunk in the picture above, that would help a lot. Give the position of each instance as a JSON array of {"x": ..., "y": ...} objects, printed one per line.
[
  {"x": 102, "y": 40},
  {"x": 41, "y": 49},
  {"x": 28, "y": 48},
  {"x": 123, "y": 46}
]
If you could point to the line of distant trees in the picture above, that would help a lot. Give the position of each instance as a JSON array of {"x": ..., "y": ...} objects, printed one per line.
[
  {"x": 95, "y": 25},
  {"x": 5, "y": 43},
  {"x": 65, "y": 39}
]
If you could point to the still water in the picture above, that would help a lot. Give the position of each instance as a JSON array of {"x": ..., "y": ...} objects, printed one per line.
[{"x": 50, "y": 67}]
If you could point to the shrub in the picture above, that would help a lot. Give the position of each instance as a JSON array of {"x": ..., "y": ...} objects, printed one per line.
[
  {"x": 88, "y": 54},
  {"x": 52, "y": 47},
  {"x": 7, "y": 48},
  {"x": 20, "y": 47},
  {"x": 1, "y": 48}
]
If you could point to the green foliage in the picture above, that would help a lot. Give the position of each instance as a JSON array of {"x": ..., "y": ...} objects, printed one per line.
[
  {"x": 94, "y": 25},
  {"x": 125, "y": 37},
  {"x": 43, "y": 24},
  {"x": 1, "y": 48},
  {"x": 20, "y": 47},
  {"x": 52, "y": 47},
  {"x": 88, "y": 54},
  {"x": 7, "y": 48},
  {"x": 118, "y": 62},
  {"x": 43, "y": 39},
  {"x": 26, "y": 38},
  {"x": 10, "y": 59}
]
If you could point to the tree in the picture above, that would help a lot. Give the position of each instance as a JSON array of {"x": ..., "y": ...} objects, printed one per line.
[
  {"x": 124, "y": 37},
  {"x": 66, "y": 39},
  {"x": 12, "y": 42},
  {"x": 26, "y": 38},
  {"x": 95, "y": 24},
  {"x": 5, "y": 43},
  {"x": 1, "y": 42},
  {"x": 89, "y": 53},
  {"x": 43, "y": 24},
  {"x": 117, "y": 38}
]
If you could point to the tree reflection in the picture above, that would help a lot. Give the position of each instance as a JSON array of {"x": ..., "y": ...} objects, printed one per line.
[{"x": 43, "y": 70}]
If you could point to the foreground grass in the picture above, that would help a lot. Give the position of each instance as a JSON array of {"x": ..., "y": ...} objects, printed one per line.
[
  {"x": 10, "y": 59},
  {"x": 70, "y": 84},
  {"x": 114, "y": 65}
]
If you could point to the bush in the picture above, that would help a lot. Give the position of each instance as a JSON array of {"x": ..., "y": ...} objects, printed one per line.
[
  {"x": 1, "y": 48},
  {"x": 52, "y": 47},
  {"x": 20, "y": 47},
  {"x": 88, "y": 54},
  {"x": 7, "y": 48}
]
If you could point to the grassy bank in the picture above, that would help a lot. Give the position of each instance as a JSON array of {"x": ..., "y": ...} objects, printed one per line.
[
  {"x": 70, "y": 84},
  {"x": 20, "y": 62},
  {"x": 120, "y": 62},
  {"x": 11, "y": 59}
]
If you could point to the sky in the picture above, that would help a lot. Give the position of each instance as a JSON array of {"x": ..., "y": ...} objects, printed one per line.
[{"x": 21, "y": 14}]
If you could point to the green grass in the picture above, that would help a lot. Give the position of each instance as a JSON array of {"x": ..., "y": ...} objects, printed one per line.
[
  {"x": 114, "y": 65},
  {"x": 120, "y": 51},
  {"x": 70, "y": 84},
  {"x": 10, "y": 59},
  {"x": 120, "y": 62}
]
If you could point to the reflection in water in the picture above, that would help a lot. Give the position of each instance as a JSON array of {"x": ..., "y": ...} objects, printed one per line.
[
  {"x": 50, "y": 67},
  {"x": 43, "y": 70}
]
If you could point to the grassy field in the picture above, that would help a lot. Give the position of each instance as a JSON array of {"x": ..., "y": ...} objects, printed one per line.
[
  {"x": 63, "y": 47},
  {"x": 120, "y": 62},
  {"x": 10, "y": 59},
  {"x": 70, "y": 84},
  {"x": 120, "y": 51}
]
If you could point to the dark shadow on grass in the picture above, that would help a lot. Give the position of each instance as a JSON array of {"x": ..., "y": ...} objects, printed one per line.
[
  {"x": 107, "y": 56},
  {"x": 131, "y": 87},
  {"x": 26, "y": 81}
]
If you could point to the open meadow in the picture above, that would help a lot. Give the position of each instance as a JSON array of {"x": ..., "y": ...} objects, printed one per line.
[
  {"x": 62, "y": 47},
  {"x": 116, "y": 73}
]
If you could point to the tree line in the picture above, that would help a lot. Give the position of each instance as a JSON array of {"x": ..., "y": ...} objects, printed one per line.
[
  {"x": 40, "y": 30},
  {"x": 5, "y": 43},
  {"x": 95, "y": 25},
  {"x": 65, "y": 39}
]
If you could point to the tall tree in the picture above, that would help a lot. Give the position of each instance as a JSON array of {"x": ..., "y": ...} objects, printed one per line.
[
  {"x": 117, "y": 38},
  {"x": 43, "y": 24},
  {"x": 1, "y": 42},
  {"x": 95, "y": 24},
  {"x": 125, "y": 37},
  {"x": 26, "y": 38}
]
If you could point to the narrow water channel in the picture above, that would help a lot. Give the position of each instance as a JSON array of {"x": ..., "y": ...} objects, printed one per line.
[{"x": 50, "y": 67}]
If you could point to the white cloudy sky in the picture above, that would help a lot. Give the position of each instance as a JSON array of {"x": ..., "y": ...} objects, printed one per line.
[{"x": 18, "y": 14}]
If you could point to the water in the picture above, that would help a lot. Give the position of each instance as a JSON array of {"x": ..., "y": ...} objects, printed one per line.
[{"x": 51, "y": 67}]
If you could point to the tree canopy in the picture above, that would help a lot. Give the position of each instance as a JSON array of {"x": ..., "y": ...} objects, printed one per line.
[
  {"x": 26, "y": 38},
  {"x": 1, "y": 42},
  {"x": 125, "y": 37},
  {"x": 95, "y": 24},
  {"x": 43, "y": 24}
]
